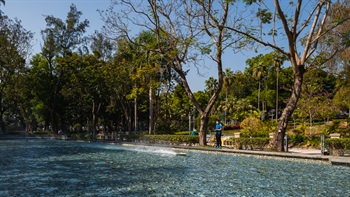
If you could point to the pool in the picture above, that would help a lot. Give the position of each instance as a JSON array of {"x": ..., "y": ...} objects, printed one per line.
[{"x": 66, "y": 168}]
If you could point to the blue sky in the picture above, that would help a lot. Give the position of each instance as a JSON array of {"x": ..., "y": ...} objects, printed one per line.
[{"x": 32, "y": 14}]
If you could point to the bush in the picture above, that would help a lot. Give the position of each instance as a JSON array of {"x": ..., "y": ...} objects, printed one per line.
[
  {"x": 300, "y": 129},
  {"x": 302, "y": 140},
  {"x": 182, "y": 133},
  {"x": 332, "y": 128},
  {"x": 251, "y": 143},
  {"x": 337, "y": 146},
  {"x": 169, "y": 139},
  {"x": 80, "y": 136},
  {"x": 313, "y": 141},
  {"x": 251, "y": 125},
  {"x": 297, "y": 139}
]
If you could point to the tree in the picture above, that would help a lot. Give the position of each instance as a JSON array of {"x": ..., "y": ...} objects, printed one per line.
[
  {"x": 196, "y": 25},
  {"x": 61, "y": 38},
  {"x": 211, "y": 85},
  {"x": 335, "y": 40},
  {"x": 228, "y": 80},
  {"x": 102, "y": 46},
  {"x": 14, "y": 47},
  {"x": 343, "y": 88},
  {"x": 258, "y": 73},
  {"x": 149, "y": 69},
  {"x": 277, "y": 64},
  {"x": 302, "y": 35}
]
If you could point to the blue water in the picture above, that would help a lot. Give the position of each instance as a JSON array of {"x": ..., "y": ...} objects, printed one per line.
[{"x": 63, "y": 168}]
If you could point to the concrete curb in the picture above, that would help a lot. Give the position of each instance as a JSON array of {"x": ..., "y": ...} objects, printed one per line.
[{"x": 300, "y": 154}]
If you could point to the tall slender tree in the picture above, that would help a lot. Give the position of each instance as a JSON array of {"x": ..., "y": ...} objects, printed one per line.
[
  {"x": 228, "y": 79},
  {"x": 278, "y": 61},
  {"x": 61, "y": 38}
]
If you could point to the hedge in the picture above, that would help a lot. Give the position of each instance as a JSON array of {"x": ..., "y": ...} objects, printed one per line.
[
  {"x": 337, "y": 146},
  {"x": 169, "y": 139},
  {"x": 251, "y": 143}
]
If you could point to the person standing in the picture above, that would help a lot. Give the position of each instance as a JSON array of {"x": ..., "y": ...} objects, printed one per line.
[{"x": 218, "y": 132}]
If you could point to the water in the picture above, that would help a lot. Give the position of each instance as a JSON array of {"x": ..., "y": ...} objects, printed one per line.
[{"x": 62, "y": 168}]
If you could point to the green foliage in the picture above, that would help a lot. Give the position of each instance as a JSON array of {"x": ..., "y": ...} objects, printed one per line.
[
  {"x": 182, "y": 133},
  {"x": 251, "y": 143},
  {"x": 266, "y": 128},
  {"x": 169, "y": 139},
  {"x": 251, "y": 125},
  {"x": 333, "y": 127},
  {"x": 14, "y": 46},
  {"x": 300, "y": 129},
  {"x": 313, "y": 141},
  {"x": 80, "y": 136},
  {"x": 250, "y": 2},
  {"x": 337, "y": 145},
  {"x": 297, "y": 139},
  {"x": 171, "y": 126},
  {"x": 264, "y": 15}
]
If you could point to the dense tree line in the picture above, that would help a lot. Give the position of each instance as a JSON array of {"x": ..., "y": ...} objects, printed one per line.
[{"x": 82, "y": 83}]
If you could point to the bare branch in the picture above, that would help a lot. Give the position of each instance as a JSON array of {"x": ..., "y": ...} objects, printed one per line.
[{"x": 307, "y": 52}]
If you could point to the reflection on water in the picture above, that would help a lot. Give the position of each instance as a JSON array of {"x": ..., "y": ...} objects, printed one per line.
[{"x": 61, "y": 168}]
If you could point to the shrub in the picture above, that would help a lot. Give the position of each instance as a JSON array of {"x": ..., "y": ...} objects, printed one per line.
[
  {"x": 250, "y": 125},
  {"x": 332, "y": 128},
  {"x": 313, "y": 141},
  {"x": 300, "y": 129},
  {"x": 169, "y": 139},
  {"x": 297, "y": 139},
  {"x": 266, "y": 128},
  {"x": 338, "y": 145},
  {"x": 251, "y": 143},
  {"x": 182, "y": 133}
]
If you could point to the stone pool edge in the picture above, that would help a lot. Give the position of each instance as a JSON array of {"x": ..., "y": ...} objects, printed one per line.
[
  {"x": 343, "y": 161},
  {"x": 339, "y": 160}
]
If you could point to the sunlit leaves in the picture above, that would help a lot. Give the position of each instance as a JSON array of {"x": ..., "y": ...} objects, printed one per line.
[
  {"x": 264, "y": 15},
  {"x": 250, "y": 2}
]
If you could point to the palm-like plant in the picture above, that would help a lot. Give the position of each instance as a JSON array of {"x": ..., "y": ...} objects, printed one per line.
[
  {"x": 228, "y": 79},
  {"x": 211, "y": 84},
  {"x": 258, "y": 74},
  {"x": 277, "y": 64}
]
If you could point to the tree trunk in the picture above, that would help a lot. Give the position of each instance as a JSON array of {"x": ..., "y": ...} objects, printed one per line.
[
  {"x": 95, "y": 111},
  {"x": 135, "y": 114},
  {"x": 94, "y": 131},
  {"x": 288, "y": 110},
  {"x": 277, "y": 96},
  {"x": 2, "y": 124},
  {"x": 203, "y": 130},
  {"x": 53, "y": 121},
  {"x": 259, "y": 95},
  {"x": 150, "y": 124}
]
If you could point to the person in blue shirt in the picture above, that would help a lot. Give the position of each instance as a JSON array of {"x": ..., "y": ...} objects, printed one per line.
[{"x": 218, "y": 132}]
